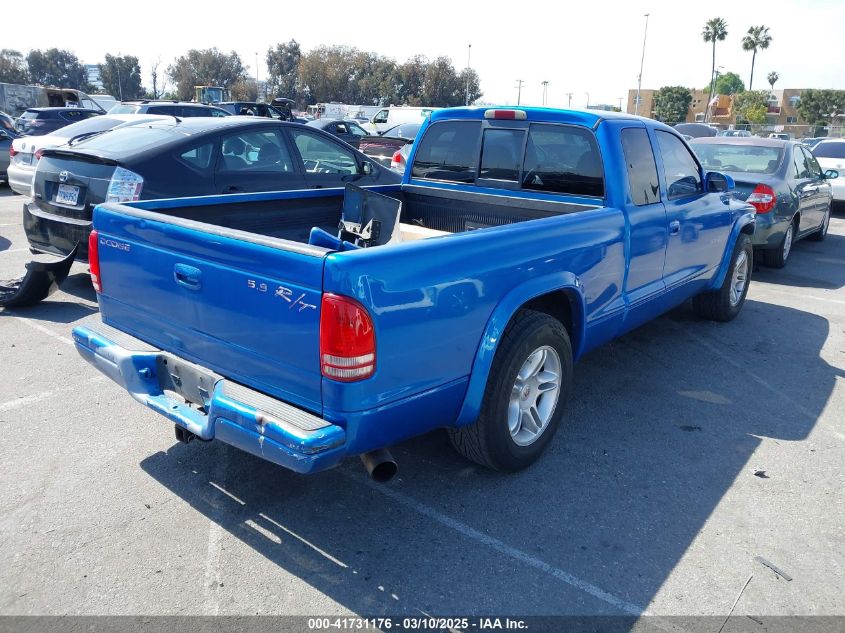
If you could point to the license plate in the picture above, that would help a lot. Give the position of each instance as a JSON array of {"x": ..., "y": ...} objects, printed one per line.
[
  {"x": 67, "y": 194},
  {"x": 25, "y": 159}
]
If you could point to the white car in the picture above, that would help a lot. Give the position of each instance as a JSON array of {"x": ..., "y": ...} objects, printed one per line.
[
  {"x": 831, "y": 155},
  {"x": 25, "y": 151}
]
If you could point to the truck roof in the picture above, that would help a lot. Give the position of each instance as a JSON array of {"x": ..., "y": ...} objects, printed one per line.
[{"x": 587, "y": 118}]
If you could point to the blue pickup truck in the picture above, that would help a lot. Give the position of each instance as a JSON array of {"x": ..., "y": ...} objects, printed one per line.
[{"x": 307, "y": 326}]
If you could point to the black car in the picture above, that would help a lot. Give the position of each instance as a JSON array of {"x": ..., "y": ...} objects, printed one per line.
[
  {"x": 40, "y": 121},
  {"x": 253, "y": 108},
  {"x": 183, "y": 157},
  {"x": 344, "y": 129},
  {"x": 170, "y": 108}
]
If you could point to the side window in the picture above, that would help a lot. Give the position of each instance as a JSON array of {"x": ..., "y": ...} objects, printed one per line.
[
  {"x": 448, "y": 151},
  {"x": 340, "y": 128},
  {"x": 214, "y": 112},
  {"x": 813, "y": 166},
  {"x": 381, "y": 117},
  {"x": 255, "y": 150},
  {"x": 802, "y": 170},
  {"x": 642, "y": 170},
  {"x": 683, "y": 175},
  {"x": 562, "y": 159},
  {"x": 501, "y": 154},
  {"x": 357, "y": 130},
  {"x": 199, "y": 157},
  {"x": 321, "y": 156},
  {"x": 168, "y": 110}
]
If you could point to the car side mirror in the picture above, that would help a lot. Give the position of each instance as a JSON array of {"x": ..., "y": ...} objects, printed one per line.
[
  {"x": 4, "y": 134},
  {"x": 366, "y": 168},
  {"x": 718, "y": 182},
  {"x": 831, "y": 174}
]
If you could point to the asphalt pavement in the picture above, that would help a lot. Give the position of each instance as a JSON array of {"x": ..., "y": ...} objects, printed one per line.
[{"x": 693, "y": 454}]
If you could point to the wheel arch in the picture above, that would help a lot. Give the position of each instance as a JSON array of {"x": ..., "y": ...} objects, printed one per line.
[
  {"x": 743, "y": 226},
  {"x": 560, "y": 296}
]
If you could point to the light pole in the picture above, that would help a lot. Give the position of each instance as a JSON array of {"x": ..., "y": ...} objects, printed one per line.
[
  {"x": 587, "y": 107},
  {"x": 119, "y": 82},
  {"x": 256, "y": 76},
  {"x": 469, "y": 51},
  {"x": 519, "y": 83},
  {"x": 545, "y": 91},
  {"x": 569, "y": 97},
  {"x": 640, "y": 76}
]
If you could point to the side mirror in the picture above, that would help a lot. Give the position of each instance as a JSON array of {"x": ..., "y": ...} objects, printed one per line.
[
  {"x": 831, "y": 174},
  {"x": 4, "y": 134},
  {"x": 716, "y": 182},
  {"x": 366, "y": 168}
]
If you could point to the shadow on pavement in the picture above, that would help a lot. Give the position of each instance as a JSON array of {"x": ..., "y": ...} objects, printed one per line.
[
  {"x": 660, "y": 424},
  {"x": 825, "y": 259},
  {"x": 4, "y": 244}
]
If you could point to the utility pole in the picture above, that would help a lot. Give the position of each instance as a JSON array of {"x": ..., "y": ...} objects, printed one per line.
[
  {"x": 640, "y": 76},
  {"x": 587, "y": 107},
  {"x": 519, "y": 83},
  {"x": 256, "y": 76},
  {"x": 620, "y": 103},
  {"x": 545, "y": 91},
  {"x": 469, "y": 52},
  {"x": 119, "y": 82},
  {"x": 569, "y": 96}
]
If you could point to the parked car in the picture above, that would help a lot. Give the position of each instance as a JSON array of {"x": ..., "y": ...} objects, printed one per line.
[
  {"x": 782, "y": 181},
  {"x": 183, "y": 157},
  {"x": 813, "y": 141},
  {"x": 255, "y": 109},
  {"x": 344, "y": 129},
  {"x": 25, "y": 151},
  {"x": 783, "y": 136},
  {"x": 696, "y": 130},
  {"x": 831, "y": 155},
  {"x": 518, "y": 240},
  {"x": 170, "y": 108},
  {"x": 387, "y": 118},
  {"x": 734, "y": 133},
  {"x": 7, "y": 123},
  {"x": 386, "y": 148},
  {"x": 7, "y": 137},
  {"x": 40, "y": 121}
]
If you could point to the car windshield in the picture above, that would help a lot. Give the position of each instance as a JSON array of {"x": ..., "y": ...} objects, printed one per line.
[
  {"x": 122, "y": 108},
  {"x": 830, "y": 150},
  {"x": 753, "y": 159},
  {"x": 131, "y": 139},
  {"x": 88, "y": 126},
  {"x": 404, "y": 130}
]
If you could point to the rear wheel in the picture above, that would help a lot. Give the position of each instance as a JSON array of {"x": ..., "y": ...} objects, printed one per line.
[
  {"x": 819, "y": 235},
  {"x": 776, "y": 257},
  {"x": 524, "y": 398},
  {"x": 726, "y": 302}
]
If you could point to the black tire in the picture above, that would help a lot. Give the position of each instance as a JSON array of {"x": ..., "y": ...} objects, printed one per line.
[
  {"x": 488, "y": 440},
  {"x": 719, "y": 305},
  {"x": 819, "y": 235},
  {"x": 775, "y": 257}
]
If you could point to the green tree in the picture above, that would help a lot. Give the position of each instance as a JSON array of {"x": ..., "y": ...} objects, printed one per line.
[
  {"x": 283, "y": 69},
  {"x": 772, "y": 78},
  {"x": 59, "y": 68},
  {"x": 410, "y": 78},
  {"x": 758, "y": 38},
  {"x": 715, "y": 30},
  {"x": 244, "y": 90},
  {"x": 208, "y": 67},
  {"x": 671, "y": 104},
  {"x": 13, "y": 67},
  {"x": 373, "y": 79},
  {"x": 750, "y": 106},
  {"x": 728, "y": 84},
  {"x": 469, "y": 75},
  {"x": 324, "y": 74},
  {"x": 121, "y": 77},
  {"x": 820, "y": 107}
]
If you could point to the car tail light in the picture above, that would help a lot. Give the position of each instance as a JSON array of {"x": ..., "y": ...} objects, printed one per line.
[
  {"x": 518, "y": 115},
  {"x": 38, "y": 154},
  {"x": 12, "y": 152},
  {"x": 763, "y": 198},
  {"x": 397, "y": 159},
  {"x": 124, "y": 186},
  {"x": 347, "y": 340},
  {"x": 94, "y": 260}
]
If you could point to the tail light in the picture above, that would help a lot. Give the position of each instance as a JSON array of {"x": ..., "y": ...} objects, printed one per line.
[
  {"x": 763, "y": 198},
  {"x": 397, "y": 159},
  {"x": 347, "y": 340},
  {"x": 39, "y": 153},
  {"x": 94, "y": 260},
  {"x": 12, "y": 152},
  {"x": 124, "y": 186}
]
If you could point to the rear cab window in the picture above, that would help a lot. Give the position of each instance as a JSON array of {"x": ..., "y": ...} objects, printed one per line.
[
  {"x": 640, "y": 165},
  {"x": 544, "y": 157}
]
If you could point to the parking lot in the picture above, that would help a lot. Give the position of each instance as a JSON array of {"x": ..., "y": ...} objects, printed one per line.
[{"x": 695, "y": 457}]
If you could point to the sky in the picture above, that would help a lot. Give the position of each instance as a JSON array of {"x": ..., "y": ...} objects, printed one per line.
[{"x": 590, "y": 49}]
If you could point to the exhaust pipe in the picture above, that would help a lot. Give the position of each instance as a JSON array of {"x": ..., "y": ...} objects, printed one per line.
[{"x": 380, "y": 465}]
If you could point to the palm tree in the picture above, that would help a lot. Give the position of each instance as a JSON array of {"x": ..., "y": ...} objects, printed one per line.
[
  {"x": 772, "y": 79},
  {"x": 715, "y": 30},
  {"x": 758, "y": 38}
]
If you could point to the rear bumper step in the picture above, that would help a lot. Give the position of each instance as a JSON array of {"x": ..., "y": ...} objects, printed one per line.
[{"x": 219, "y": 408}]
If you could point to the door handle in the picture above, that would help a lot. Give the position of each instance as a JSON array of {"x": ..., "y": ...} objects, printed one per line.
[
  {"x": 316, "y": 186},
  {"x": 233, "y": 189},
  {"x": 187, "y": 276},
  {"x": 674, "y": 227}
]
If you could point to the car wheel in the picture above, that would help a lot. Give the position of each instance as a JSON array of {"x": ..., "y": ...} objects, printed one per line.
[
  {"x": 726, "y": 302},
  {"x": 776, "y": 257},
  {"x": 525, "y": 395},
  {"x": 819, "y": 235}
]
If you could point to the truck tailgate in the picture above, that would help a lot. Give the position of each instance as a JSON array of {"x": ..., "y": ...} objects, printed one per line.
[{"x": 243, "y": 305}]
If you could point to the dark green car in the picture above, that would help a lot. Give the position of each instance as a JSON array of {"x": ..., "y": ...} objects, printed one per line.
[{"x": 782, "y": 180}]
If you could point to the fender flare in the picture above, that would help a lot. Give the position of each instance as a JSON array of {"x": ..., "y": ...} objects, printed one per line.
[
  {"x": 744, "y": 220},
  {"x": 498, "y": 321}
]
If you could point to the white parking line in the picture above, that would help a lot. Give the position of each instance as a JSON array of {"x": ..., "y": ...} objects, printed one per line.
[
  {"x": 23, "y": 401},
  {"x": 776, "y": 290},
  {"x": 14, "y": 250},
  {"x": 44, "y": 330},
  {"x": 501, "y": 547}
]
